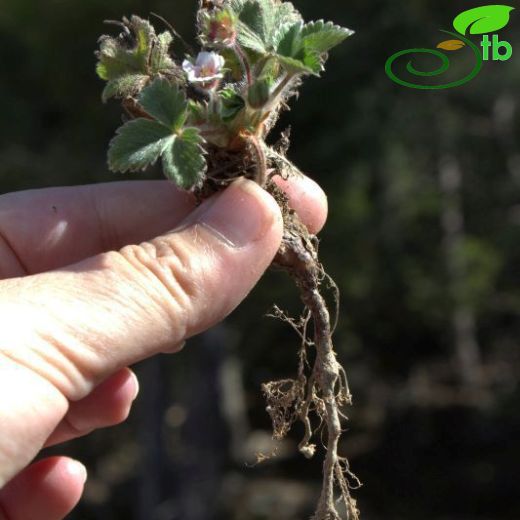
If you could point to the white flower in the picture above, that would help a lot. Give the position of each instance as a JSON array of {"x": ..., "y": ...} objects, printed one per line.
[{"x": 207, "y": 68}]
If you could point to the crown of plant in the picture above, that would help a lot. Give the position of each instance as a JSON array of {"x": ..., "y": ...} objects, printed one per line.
[{"x": 253, "y": 54}]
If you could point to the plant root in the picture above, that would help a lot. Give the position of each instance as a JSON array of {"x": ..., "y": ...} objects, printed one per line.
[{"x": 325, "y": 391}]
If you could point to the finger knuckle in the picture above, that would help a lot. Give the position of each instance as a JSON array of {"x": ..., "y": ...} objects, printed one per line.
[{"x": 172, "y": 273}]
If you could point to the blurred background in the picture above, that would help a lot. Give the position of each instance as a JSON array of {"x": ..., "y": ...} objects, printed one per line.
[{"x": 423, "y": 239}]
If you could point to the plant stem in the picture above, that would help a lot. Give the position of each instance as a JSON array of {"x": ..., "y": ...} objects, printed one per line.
[
  {"x": 244, "y": 62},
  {"x": 261, "y": 161},
  {"x": 278, "y": 91}
]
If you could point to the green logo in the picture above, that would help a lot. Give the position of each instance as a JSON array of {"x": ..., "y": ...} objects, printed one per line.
[{"x": 478, "y": 21}]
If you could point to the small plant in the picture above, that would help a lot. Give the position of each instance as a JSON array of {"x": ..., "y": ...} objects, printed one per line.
[{"x": 206, "y": 119}]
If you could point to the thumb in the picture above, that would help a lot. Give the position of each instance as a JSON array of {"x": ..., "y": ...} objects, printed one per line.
[{"x": 77, "y": 325}]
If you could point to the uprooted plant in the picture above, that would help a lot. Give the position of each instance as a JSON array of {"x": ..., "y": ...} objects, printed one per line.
[{"x": 206, "y": 117}]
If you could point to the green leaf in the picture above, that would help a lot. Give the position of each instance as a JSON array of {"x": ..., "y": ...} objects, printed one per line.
[
  {"x": 295, "y": 66},
  {"x": 232, "y": 104},
  {"x": 291, "y": 43},
  {"x": 183, "y": 160},
  {"x": 302, "y": 49},
  {"x": 482, "y": 20},
  {"x": 197, "y": 112},
  {"x": 314, "y": 62},
  {"x": 140, "y": 142},
  {"x": 166, "y": 103},
  {"x": 320, "y": 37},
  {"x": 294, "y": 57},
  {"x": 124, "y": 86},
  {"x": 137, "y": 144},
  {"x": 260, "y": 92},
  {"x": 138, "y": 51},
  {"x": 274, "y": 17},
  {"x": 284, "y": 14},
  {"x": 252, "y": 15},
  {"x": 160, "y": 59},
  {"x": 249, "y": 39},
  {"x": 144, "y": 35},
  {"x": 263, "y": 18},
  {"x": 117, "y": 58},
  {"x": 279, "y": 34}
]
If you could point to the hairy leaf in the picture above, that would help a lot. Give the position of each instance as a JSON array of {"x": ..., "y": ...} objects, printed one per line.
[
  {"x": 295, "y": 66},
  {"x": 124, "y": 86},
  {"x": 197, "y": 112},
  {"x": 263, "y": 18},
  {"x": 291, "y": 43},
  {"x": 284, "y": 14},
  {"x": 137, "y": 144},
  {"x": 160, "y": 60},
  {"x": 126, "y": 55},
  {"x": 232, "y": 104},
  {"x": 136, "y": 51},
  {"x": 322, "y": 36},
  {"x": 166, "y": 103},
  {"x": 183, "y": 160},
  {"x": 249, "y": 39},
  {"x": 141, "y": 142},
  {"x": 294, "y": 56},
  {"x": 280, "y": 33},
  {"x": 259, "y": 92},
  {"x": 252, "y": 14}
]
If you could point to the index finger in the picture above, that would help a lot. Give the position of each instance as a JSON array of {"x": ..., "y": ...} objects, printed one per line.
[{"x": 45, "y": 229}]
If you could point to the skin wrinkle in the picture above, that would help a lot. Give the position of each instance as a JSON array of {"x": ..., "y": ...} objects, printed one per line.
[
  {"x": 54, "y": 364},
  {"x": 110, "y": 226},
  {"x": 110, "y": 416},
  {"x": 201, "y": 274},
  {"x": 16, "y": 262},
  {"x": 181, "y": 267},
  {"x": 77, "y": 378},
  {"x": 100, "y": 217},
  {"x": 73, "y": 343},
  {"x": 58, "y": 352},
  {"x": 127, "y": 292},
  {"x": 92, "y": 339},
  {"x": 170, "y": 295},
  {"x": 72, "y": 429}
]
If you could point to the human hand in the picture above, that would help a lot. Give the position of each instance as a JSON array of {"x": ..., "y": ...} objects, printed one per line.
[{"x": 80, "y": 301}]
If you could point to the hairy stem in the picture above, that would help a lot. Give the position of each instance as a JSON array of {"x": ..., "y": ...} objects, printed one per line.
[
  {"x": 278, "y": 92},
  {"x": 260, "y": 159},
  {"x": 244, "y": 62}
]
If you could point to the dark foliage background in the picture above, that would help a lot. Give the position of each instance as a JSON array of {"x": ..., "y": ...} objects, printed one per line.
[{"x": 423, "y": 239}]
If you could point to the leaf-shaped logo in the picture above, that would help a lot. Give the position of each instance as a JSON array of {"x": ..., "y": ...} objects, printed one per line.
[
  {"x": 451, "y": 45},
  {"x": 482, "y": 20}
]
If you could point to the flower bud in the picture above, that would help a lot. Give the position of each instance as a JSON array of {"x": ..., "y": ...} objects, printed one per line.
[{"x": 219, "y": 28}]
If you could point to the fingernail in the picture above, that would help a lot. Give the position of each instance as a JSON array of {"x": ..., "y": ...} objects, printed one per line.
[
  {"x": 238, "y": 216},
  {"x": 136, "y": 386},
  {"x": 176, "y": 348},
  {"x": 76, "y": 469}
]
